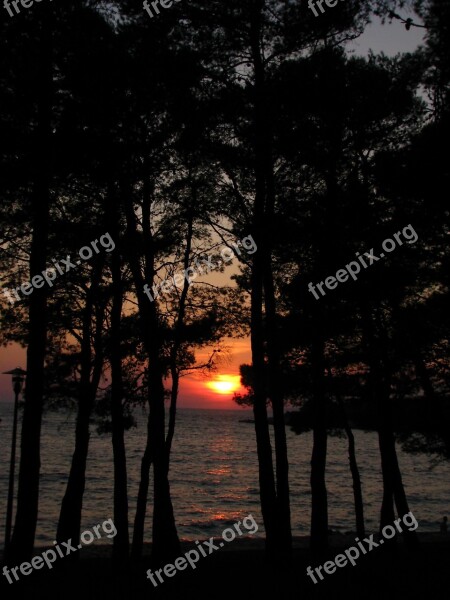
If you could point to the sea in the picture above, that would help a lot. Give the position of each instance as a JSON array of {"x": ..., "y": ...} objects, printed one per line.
[{"x": 214, "y": 476}]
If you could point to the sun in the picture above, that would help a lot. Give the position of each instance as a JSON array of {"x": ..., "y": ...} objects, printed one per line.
[{"x": 225, "y": 384}]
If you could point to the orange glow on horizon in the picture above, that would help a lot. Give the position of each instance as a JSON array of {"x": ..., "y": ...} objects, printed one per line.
[{"x": 225, "y": 384}]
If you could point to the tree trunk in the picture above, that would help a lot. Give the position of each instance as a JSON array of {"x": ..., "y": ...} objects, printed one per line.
[
  {"x": 401, "y": 502},
  {"x": 380, "y": 393},
  {"x": 319, "y": 499},
  {"x": 166, "y": 545},
  {"x": 354, "y": 470},
  {"x": 177, "y": 338},
  {"x": 283, "y": 515},
  {"x": 172, "y": 411},
  {"x": 121, "y": 541},
  {"x": 381, "y": 390},
  {"x": 22, "y": 541},
  {"x": 264, "y": 449},
  {"x": 357, "y": 490},
  {"x": 141, "y": 504},
  {"x": 387, "y": 514},
  {"x": 263, "y": 443},
  {"x": 380, "y": 375},
  {"x": 69, "y": 525}
]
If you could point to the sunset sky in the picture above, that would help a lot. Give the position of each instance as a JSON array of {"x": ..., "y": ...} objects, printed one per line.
[
  {"x": 196, "y": 390},
  {"x": 216, "y": 390}
]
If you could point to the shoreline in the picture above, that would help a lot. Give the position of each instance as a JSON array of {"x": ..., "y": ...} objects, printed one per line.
[
  {"x": 248, "y": 545},
  {"x": 244, "y": 571}
]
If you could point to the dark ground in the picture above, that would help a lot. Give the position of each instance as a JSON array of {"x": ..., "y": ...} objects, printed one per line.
[{"x": 240, "y": 571}]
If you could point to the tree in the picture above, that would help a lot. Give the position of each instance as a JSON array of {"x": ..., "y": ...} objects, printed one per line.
[{"x": 39, "y": 179}]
